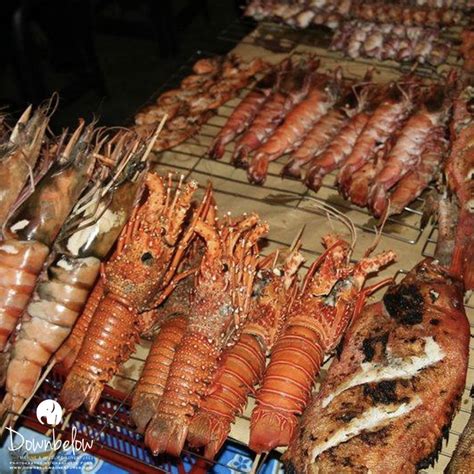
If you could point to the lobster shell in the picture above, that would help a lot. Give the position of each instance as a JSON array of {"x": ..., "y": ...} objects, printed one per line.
[
  {"x": 193, "y": 367},
  {"x": 151, "y": 385},
  {"x": 241, "y": 368},
  {"x": 111, "y": 337}
]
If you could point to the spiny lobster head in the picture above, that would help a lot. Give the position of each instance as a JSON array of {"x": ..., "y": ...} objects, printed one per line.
[
  {"x": 265, "y": 316},
  {"x": 274, "y": 290},
  {"x": 221, "y": 297},
  {"x": 143, "y": 261},
  {"x": 329, "y": 268}
]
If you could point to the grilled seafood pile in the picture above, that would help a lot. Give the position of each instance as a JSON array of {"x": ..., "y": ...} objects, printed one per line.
[
  {"x": 459, "y": 172},
  {"x": 135, "y": 280},
  {"x": 241, "y": 367},
  {"x": 214, "y": 81},
  {"x": 84, "y": 242},
  {"x": 219, "y": 308},
  {"x": 388, "y": 140},
  {"x": 332, "y": 13},
  {"x": 388, "y": 400},
  {"x": 391, "y": 41},
  {"x": 330, "y": 296}
]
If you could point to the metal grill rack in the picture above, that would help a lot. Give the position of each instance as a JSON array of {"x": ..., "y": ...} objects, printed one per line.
[
  {"x": 191, "y": 159},
  {"x": 430, "y": 243}
]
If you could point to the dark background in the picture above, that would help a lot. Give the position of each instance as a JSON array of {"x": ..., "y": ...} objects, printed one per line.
[{"x": 104, "y": 57}]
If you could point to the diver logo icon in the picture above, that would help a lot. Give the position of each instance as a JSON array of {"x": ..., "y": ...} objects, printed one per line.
[{"x": 51, "y": 411}]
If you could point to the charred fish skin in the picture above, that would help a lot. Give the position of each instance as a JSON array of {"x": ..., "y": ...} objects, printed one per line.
[{"x": 388, "y": 401}]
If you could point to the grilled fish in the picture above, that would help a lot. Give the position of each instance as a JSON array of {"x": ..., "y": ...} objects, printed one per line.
[{"x": 389, "y": 399}]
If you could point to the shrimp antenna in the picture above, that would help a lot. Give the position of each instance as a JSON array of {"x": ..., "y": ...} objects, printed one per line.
[
  {"x": 154, "y": 137},
  {"x": 52, "y": 104}
]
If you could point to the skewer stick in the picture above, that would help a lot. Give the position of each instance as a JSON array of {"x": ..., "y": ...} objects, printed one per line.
[
  {"x": 255, "y": 464},
  {"x": 5, "y": 423},
  {"x": 11, "y": 419},
  {"x": 53, "y": 452}
]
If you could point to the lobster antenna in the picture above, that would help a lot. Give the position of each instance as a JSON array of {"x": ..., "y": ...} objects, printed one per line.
[
  {"x": 379, "y": 231},
  {"x": 296, "y": 244},
  {"x": 338, "y": 215},
  {"x": 275, "y": 259}
]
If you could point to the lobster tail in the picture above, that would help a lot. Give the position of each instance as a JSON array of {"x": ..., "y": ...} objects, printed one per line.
[
  {"x": 80, "y": 390},
  {"x": 270, "y": 429},
  {"x": 286, "y": 388},
  {"x": 20, "y": 264},
  {"x": 209, "y": 430},
  {"x": 241, "y": 368},
  {"x": 191, "y": 371},
  {"x": 166, "y": 434},
  {"x": 151, "y": 385},
  {"x": 109, "y": 341}
]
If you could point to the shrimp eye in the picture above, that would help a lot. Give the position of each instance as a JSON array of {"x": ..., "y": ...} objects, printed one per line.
[
  {"x": 147, "y": 258},
  {"x": 225, "y": 267}
]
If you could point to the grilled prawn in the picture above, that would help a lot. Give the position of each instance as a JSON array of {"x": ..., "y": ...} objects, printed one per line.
[
  {"x": 406, "y": 152},
  {"x": 385, "y": 120},
  {"x": 31, "y": 230},
  {"x": 300, "y": 120},
  {"x": 244, "y": 113},
  {"x": 416, "y": 181},
  {"x": 337, "y": 152},
  {"x": 293, "y": 88}
]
